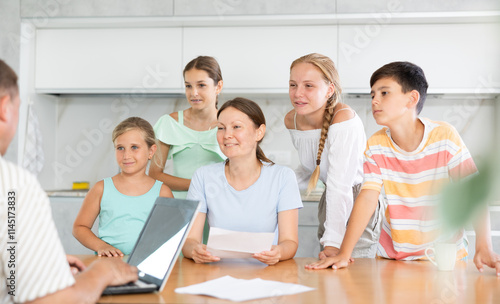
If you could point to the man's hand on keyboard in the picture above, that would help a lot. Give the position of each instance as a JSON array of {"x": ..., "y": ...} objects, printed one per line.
[{"x": 115, "y": 271}]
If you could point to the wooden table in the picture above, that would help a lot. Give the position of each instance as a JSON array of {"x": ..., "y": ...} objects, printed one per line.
[{"x": 365, "y": 281}]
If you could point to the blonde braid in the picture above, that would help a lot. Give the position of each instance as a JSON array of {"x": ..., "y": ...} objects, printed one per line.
[{"x": 327, "y": 121}]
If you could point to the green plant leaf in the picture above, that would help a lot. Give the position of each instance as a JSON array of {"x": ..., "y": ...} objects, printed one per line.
[{"x": 462, "y": 200}]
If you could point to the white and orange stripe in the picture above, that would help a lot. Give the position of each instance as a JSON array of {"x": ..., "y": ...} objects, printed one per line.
[{"x": 412, "y": 183}]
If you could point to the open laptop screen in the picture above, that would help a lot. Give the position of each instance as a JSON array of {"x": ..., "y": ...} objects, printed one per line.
[{"x": 161, "y": 239}]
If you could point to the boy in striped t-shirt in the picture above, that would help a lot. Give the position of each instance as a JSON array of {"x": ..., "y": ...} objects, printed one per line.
[{"x": 412, "y": 158}]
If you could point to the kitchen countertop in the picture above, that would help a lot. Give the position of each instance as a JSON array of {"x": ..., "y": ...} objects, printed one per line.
[
  {"x": 314, "y": 196},
  {"x": 67, "y": 192}
]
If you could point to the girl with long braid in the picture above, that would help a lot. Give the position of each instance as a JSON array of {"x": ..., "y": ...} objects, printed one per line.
[{"x": 330, "y": 139}]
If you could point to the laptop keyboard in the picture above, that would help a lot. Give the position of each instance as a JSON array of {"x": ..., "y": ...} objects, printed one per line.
[
  {"x": 132, "y": 287},
  {"x": 125, "y": 286}
]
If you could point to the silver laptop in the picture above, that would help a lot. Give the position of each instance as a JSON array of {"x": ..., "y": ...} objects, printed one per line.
[{"x": 159, "y": 245}]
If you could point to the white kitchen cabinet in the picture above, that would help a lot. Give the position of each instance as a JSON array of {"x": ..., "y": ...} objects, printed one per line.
[
  {"x": 258, "y": 57},
  {"x": 456, "y": 58},
  {"x": 64, "y": 212},
  {"x": 308, "y": 230},
  {"x": 124, "y": 60}
]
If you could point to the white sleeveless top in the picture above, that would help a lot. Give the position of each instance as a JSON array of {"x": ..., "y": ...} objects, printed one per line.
[{"x": 341, "y": 168}]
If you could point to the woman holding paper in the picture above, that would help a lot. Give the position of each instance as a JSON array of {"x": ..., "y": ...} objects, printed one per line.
[{"x": 247, "y": 192}]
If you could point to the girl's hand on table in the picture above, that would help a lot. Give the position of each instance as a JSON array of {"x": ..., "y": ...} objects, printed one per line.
[
  {"x": 201, "y": 255},
  {"x": 109, "y": 251},
  {"x": 336, "y": 262},
  {"x": 269, "y": 257}
]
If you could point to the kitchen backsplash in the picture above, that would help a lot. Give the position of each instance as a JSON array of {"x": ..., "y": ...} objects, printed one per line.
[{"x": 78, "y": 144}]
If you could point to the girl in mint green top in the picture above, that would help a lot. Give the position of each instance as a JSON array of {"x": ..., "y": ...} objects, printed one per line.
[
  {"x": 122, "y": 202},
  {"x": 189, "y": 137},
  {"x": 189, "y": 149}
]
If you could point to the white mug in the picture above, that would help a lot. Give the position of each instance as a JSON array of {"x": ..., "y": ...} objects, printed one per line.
[{"x": 445, "y": 256}]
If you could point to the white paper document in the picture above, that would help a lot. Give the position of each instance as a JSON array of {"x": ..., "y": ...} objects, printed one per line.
[
  {"x": 233, "y": 289},
  {"x": 234, "y": 244}
]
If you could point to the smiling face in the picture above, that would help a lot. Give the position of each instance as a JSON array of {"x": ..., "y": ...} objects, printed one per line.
[
  {"x": 132, "y": 152},
  {"x": 308, "y": 89},
  {"x": 201, "y": 92},
  {"x": 389, "y": 104},
  {"x": 237, "y": 134}
]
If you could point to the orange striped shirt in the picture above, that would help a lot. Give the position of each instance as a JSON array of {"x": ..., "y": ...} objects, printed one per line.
[{"x": 412, "y": 182}]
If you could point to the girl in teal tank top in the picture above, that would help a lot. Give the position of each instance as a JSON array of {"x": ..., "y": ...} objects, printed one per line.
[{"x": 122, "y": 202}]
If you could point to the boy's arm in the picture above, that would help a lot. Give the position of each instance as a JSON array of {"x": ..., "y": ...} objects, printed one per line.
[
  {"x": 364, "y": 206},
  {"x": 484, "y": 252}
]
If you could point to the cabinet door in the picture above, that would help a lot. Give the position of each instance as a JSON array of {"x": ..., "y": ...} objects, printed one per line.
[
  {"x": 385, "y": 6},
  {"x": 258, "y": 57},
  {"x": 64, "y": 212},
  {"x": 108, "y": 60},
  {"x": 455, "y": 57}
]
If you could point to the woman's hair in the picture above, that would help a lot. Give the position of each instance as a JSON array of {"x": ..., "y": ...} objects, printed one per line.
[
  {"x": 254, "y": 112},
  {"x": 136, "y": 123},
  {"x": 8, "y": 81},
  {"x": 209, "y": 65},
  {"x": 331, "y": 76}
]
